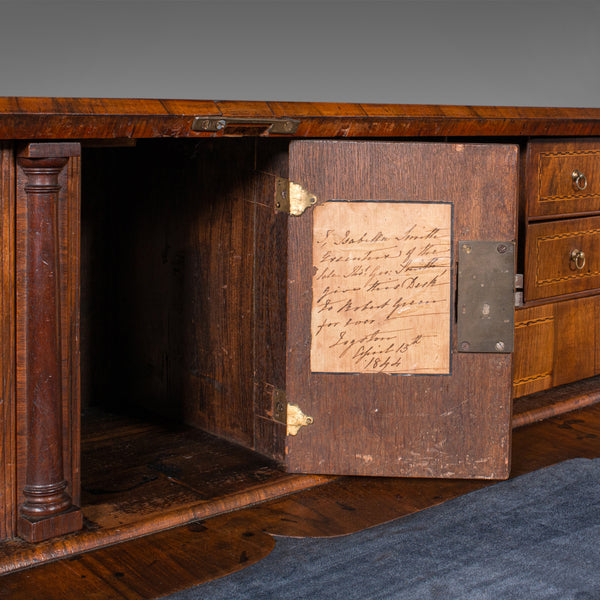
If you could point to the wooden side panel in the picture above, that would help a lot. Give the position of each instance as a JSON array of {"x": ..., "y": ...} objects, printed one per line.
[
  {"x": 270, "y": 276},
  {"x": 597, "y": 333},
  {"x": 68, "y": 268},
  {"x": 218, "y": 290},
  {"x": 574, "y": 341},
  {"x": 7, "y": 343},
  {"x": 381, "y": 424},
  {"x": 70, "y": 265},
  {"x": 534, "y": 349}
]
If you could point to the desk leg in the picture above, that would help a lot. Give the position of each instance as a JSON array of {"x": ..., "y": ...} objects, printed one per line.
[{"x": 47, "y": 510}]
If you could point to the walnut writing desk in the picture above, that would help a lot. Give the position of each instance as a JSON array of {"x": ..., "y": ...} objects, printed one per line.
[{"x": 331, "y": 286}]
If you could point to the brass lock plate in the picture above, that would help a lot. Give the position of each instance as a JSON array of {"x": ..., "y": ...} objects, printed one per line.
[{"x": 486, "y": 297}]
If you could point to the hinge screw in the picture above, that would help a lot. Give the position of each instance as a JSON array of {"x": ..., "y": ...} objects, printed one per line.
[
  {"x": 501, "y": 249},
  {"x": 465, "y": 346},
  {"x": 499, "y": 346}
]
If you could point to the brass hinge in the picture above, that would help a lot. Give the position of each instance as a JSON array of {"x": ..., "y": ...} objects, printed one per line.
[
  {"x": 279, "y": 406},
  {"x": 245, "y": 125},
  {"x": 291, "y": 197},
  {"x": 518, "y": 290},
  {"x": 296, "y": 419},
  {"x": 288, "y": 414}
]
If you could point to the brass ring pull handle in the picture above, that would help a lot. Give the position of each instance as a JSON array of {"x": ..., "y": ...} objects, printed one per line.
[
  {"x": 579, "y": 180},
  {"x": 578, "y": 257}
]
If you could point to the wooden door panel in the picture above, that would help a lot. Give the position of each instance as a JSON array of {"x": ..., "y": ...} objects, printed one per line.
[
  {"x": 7, "y": 291},
  {"x": 390, "y": 423}
]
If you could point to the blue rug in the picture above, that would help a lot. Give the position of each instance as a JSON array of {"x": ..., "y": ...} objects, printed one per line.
[{"x": 533, "y": 537}]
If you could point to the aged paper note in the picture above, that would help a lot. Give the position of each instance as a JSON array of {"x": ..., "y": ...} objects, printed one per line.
[{"x": 381, "y": 287}]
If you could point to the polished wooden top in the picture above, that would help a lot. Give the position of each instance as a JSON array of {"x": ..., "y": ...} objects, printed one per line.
[{"x": 96, "y": 118}]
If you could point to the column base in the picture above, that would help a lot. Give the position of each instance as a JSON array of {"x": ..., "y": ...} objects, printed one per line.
[{"x": 38, "y": 530}]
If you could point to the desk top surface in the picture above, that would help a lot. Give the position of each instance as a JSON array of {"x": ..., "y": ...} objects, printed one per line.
[{"x": 108, "y": 118}]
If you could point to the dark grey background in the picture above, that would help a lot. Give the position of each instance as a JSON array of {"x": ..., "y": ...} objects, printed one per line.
[{"x": 527, "y": 52}]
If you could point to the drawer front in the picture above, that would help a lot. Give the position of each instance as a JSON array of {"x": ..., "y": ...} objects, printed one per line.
[
  {"x": 562, "y": 257},
  {"x": 563, "y": 177}
]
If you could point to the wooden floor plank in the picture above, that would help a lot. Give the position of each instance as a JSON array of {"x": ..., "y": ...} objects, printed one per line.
[
  {"x": 140, "y": 477},
  {"x": 162, "y": 563}
]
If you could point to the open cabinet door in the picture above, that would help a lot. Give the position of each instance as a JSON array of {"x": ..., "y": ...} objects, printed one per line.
[{"x": 400, "y": 309}]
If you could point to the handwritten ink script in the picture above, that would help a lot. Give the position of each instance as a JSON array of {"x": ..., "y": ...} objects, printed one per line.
[{"x": 381, "y": 287}]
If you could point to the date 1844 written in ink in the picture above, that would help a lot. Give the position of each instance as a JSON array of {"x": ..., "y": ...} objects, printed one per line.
[{"x": 381, "y": 287}]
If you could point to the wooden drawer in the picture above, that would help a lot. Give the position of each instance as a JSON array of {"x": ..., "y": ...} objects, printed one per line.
[
  {"x": 551, "y": 268},
  {"x": 552, "y": 184},
  {"x": 545, "y": 337}
]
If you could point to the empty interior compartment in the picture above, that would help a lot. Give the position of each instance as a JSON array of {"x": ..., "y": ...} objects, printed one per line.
[{"x": 168, "y": 325}]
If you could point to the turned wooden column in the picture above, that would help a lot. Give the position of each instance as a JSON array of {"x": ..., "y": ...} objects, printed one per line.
[{"x": 47, "y": 509}]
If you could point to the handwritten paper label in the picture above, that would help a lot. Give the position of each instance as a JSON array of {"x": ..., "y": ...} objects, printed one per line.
[{"x": 381, "y": 287}]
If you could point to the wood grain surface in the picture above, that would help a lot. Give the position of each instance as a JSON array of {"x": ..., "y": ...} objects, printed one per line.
[
  {"x": 555, "y": 345},
  {"x": 555, "y": 401},
  {"x": 535, "y": 329},
  {"x": 550, "y": 269},
  {"x": 7, "y": 343},
  {"x": 369, "y": 424},
  {"x": 99, "y": 118},
  {"x": 550, "y": 190},
  {"x": 47, "y": 342},
  {"x": 198, "y": 259},
  {"x": 143, "y": 475},
  {"x": 168, "y": 285},
  {"x": 166, "y": 562}
]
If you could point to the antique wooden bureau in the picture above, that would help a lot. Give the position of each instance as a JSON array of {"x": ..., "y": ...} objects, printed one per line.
[{"x": 342, "y": 288}]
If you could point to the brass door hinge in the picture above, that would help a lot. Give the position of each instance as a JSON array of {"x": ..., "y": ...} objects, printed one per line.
[
  {"x": 296, "y": 419},
  {"x": 518, "y": 290},
  {"x": 292, "y": 198},
  {"x": 288, "y": 414},
  {"x": 279, "y": 406}
]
